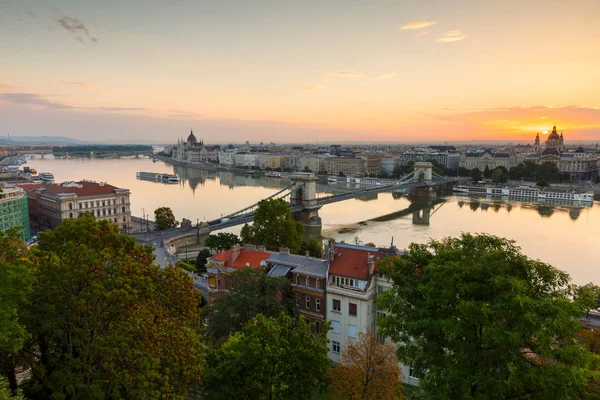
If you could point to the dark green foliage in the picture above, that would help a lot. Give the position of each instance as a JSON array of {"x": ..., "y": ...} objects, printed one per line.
[
  {"x": 499, "y": 176},
  {"x": 222, "y": 241},
  {"x": 271, "y": 359},
  {"x": 476, "y": 319},
  {"x": 542, "y": 183},
  {"x": 548, "y": 172},
  {"x": 164, "y": 219},
  {"x": 397, "y": 172},
  {"x": 313, "y": 246},
  {"x": 105, "y": 322},
  {"x": 476, "y": 174},
  {"x": 201, "y": 260},
  {"x": 251, "y": 292},
  {"x": 274, "y": 227}
]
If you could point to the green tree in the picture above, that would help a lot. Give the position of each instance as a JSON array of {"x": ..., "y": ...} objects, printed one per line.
[
  {"x": 251, "y": 292},
  {"x": 222, "y": 241},
  {"x": 529, "y": 169},
  {"x": 476, "y": 174},
  {"x": 499, "y": 176},
  {"x": 476, "y": 319},
  {"x": 313, "y": 246},
  {"x": 106, "y": 322},
  {"x": 397, "y": 172},
  {"x": 409, "y": 167},
  {"x": 487, "y": 173},
  {"x": 271, "y": 359},
  {"x": 164, "y": 219},
  {"x": 462, "y": 171},
  {"x": 548, "y": 171},
  {"x": 16, "y": 278},
  {"x": 542, "y": 183},
  {"x": 6, "y": 393},
  {"x": 201, "y": 260},
  {"x": 274, "y": 227}
]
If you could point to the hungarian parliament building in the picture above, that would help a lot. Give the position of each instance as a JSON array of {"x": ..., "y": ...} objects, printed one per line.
[
  {"x": 579, "y": 164},
  {"x": 193, "y": 151}
]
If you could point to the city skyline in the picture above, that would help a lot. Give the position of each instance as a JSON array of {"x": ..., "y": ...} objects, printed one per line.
[{"x": 346, "y": 70}]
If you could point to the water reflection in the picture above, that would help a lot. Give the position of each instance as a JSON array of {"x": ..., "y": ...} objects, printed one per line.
[{"x": 545, "y": 209}]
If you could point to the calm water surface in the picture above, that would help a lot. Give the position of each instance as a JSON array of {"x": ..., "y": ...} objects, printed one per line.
[{"x": 564, "y": 236}]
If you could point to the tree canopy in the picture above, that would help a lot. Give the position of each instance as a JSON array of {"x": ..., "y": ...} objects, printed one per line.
[
  {"x": 368, "y": 370},
  {"x": 476, "y": 319},
  {"x": 164, "y": 219},
  {"x": 251, "y": 292},
  {"x": 271, "y": 358},
  {"x": 313, "y": 246},
  {"x": 222, "y": 241},
  {"x": 106, "y": 322},
  {"x": 274, "y": 227},
  {"x": 476, "y": 174}
]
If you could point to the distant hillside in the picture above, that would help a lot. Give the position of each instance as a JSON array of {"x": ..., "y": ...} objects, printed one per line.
[{"x": 41, "y": 140}]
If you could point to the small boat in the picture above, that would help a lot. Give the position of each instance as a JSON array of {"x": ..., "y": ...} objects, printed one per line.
[
  {"x": 273, "y": 174},
  {"x": 46, "y": 176},
  {"x": 250, "y": 172}
]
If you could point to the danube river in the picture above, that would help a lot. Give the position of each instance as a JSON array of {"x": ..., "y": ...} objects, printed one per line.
[{"x": 564, "y": 236}]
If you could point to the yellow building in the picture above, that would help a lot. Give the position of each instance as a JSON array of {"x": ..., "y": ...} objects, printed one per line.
[{"x": 276, "y": 161}]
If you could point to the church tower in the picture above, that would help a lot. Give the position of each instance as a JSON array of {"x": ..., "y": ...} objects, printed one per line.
[{"x": 536, "y": 144}]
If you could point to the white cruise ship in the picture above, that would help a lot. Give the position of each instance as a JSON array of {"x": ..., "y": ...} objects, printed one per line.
[{"x": 526, "y": 193}]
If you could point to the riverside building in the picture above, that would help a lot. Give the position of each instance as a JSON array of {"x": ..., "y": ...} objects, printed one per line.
[{"x": 58, "y": 201}]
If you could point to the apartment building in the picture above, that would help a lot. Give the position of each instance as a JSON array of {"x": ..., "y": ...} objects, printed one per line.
[
  {"x": 309, "y": 281},
  {"x": 352, "y": 288},
  {"x": 221, "y": 266},
  {"x": 56, "y": 202},
  {"x": 276, "y": 161}
]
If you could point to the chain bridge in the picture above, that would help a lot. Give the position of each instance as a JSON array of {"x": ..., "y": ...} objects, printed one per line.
[{"x": 305, "y": 204}]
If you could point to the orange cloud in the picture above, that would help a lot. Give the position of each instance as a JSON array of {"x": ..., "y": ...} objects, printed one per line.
[
  {"x": 342, "y": 74},
  {"x": 417, "y": 25},
  {"x": 451, "y": 36}
]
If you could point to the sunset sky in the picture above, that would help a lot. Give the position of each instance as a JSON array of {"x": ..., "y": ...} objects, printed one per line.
[{"x": 300, "y": 71}]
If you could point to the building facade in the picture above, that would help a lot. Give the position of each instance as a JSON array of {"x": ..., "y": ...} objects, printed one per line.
[
  {"x": 14, "y": 211},
  {"x": 227, "y": 155},
  {"x": 489, "y": 159},
  {"x": 449, "y": 160},
  {"x": 192, "y": 151},
  {"x": 58, "y": 201}
]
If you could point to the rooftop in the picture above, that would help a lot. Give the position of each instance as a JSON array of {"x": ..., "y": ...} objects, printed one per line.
[
  {"x": 354, "y": 261},
  {"x": 239, "y": 258},
  {"x": 300, "y": 264},
  {"x": 81, "y": 189}
]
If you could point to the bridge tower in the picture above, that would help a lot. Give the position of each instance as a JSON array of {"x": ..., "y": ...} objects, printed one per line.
[
  {"x": 423, "y": 171},
  {"x": 306, "y": 196}
]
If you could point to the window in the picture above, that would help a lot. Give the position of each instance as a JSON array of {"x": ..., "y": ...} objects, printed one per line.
[
  {"x": 123, "y": 209},
  {"x": 80, "y": 206},
  {"x": 352, "y": 331},
  {"x": 308, "y": 302},
  {"x": 379, "y": 289},
  {"x": 352, "y": 309},
  {"x": 382, "y": 339},
  {"x": 297, "y": 279},
  {"x": 335, "y": 347},
  {"x": 412, "y": 373},
  {"x": 337, "y": 305},
  {"x": 318, "y": 283},
  {"x": 317, "y": 327},
  {"x": 307, "y": 281},
  {"x": 318, "y": 304},
  {"x": 70, "y": 206},
  {"x": 335, "y": 326},
  {"x": 219, "y": 282},
  {"x": 103, "y": 203},
  {"x": 297, "y": 300}
]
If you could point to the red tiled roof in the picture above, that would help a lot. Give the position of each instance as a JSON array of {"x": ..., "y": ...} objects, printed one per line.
[
  {"x": 87, "y": 189},
  {"x": 252, "y": 258},
  {"x": 352, "y": 263}
]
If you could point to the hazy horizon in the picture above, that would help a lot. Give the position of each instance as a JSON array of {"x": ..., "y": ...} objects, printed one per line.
[{"x": 339, "y": 71}]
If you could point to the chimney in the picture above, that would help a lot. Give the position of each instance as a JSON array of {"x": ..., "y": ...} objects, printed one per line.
[
  {"x": 331, "y": 251},
  {"x": 307, "y": 253},
  {"x": 235, "y": 253}
]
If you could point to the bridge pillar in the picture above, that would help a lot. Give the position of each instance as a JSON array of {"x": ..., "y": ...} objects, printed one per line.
[
  {"x": 306, "y": 196},
  {"x": 424, "y": 169}
]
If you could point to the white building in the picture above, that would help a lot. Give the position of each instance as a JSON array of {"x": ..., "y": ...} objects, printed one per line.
[
  {"x": 58, "y": 201},
  {"x": 352, "y": 288},
  {"x": 227, "y": 155}
]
